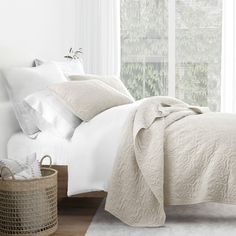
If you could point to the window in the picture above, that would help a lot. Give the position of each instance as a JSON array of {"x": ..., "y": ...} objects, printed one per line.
[
  {"x": 144, "y": 47},
  {"x": 182, "y": 61}
]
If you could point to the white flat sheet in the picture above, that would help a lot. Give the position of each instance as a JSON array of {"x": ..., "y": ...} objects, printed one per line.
[{"x": 89, "y": 154}]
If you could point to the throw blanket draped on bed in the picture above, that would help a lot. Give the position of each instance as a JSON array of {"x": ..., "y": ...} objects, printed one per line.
[{"x": 136, "y": 191}]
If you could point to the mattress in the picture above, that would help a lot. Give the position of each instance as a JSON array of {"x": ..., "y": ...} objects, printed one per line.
[{"x": 89, "y": 154}]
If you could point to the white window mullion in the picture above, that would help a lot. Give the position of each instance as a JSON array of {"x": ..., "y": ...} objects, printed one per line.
[
  {"x": 228, "y": 57},
  {"x": 171, "y": 48}
]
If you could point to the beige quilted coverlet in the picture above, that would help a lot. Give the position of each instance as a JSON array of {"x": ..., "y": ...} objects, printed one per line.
[{"x": 172, "y": 154}]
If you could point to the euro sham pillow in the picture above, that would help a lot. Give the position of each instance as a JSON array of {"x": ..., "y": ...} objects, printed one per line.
[
  {"x": 88, "y": 98},
  {"x": 112, "y": 81},
  {"x": 21, "y": 82},
  {"x": 72, "y": 67},
  {"x": 51, "y": 115}
]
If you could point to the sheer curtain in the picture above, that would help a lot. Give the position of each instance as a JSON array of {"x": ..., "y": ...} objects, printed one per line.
[
  {"x": 228, "y": 82},
  {"x": 98, "y": 34}
]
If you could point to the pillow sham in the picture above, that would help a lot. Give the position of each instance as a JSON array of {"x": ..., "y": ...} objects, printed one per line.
[
  {"x": 73, "y": 67},
  {"x": 112, "y": 81},
  {"x": 51, "y": 115},
  {"x": 88, "y": 98},
  {"x": 21, "y": 82}
]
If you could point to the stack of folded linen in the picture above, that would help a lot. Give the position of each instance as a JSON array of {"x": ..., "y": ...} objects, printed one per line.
[{"x": 25, "y": 168}]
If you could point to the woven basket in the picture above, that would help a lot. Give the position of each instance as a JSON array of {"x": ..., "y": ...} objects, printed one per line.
[{"x": 29, "y": 207}]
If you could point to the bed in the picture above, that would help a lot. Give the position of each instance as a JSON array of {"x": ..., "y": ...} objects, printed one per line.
[{"x": 146, "y": 154}]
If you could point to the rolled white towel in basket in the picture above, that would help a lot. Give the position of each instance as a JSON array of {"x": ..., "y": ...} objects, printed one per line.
[{"x": 25, "y": 168}]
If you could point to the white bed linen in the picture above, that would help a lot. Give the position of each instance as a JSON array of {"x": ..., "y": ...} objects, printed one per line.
[{"x": 89, "y": 154}]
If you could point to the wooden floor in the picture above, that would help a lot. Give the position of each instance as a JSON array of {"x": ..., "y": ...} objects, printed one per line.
[{"x": 75, "y": 215}]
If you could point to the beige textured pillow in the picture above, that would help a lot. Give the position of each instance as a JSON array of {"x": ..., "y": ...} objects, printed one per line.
[
  {"x": 112, "y": 81},
  {"x": 88, "y": 98}
]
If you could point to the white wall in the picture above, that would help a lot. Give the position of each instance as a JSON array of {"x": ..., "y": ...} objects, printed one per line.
[
  {"x": 35, "y": 28},
  {"x": 31, "y": 29}
]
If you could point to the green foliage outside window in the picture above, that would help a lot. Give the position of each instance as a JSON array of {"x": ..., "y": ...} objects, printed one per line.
[{"x": 144, "y": 49}]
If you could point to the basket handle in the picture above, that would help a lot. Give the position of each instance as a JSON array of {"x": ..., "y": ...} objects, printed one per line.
[
  {"x": 1, "y": 171},
  {"x": 44, "y": 157}
]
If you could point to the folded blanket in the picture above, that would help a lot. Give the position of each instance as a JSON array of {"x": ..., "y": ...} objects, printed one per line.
[
  {"x": 136, "y": 189},
  {"x": 26, "y": 168}
]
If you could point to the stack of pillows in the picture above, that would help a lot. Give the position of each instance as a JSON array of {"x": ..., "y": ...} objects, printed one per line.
[{"x": 57, "y": 96}]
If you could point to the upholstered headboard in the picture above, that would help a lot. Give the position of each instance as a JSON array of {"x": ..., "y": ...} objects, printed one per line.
[
  {"x": 8, "y": 122},
  {"x": 31, "y": 29},
  {"x": 9, "y": 57}
]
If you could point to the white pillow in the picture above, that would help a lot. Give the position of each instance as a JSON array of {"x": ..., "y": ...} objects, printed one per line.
[
  {"x": 73, "y": 67},
  {"x": 22, "y": 82},
  {"x": 52, "y": 115}
]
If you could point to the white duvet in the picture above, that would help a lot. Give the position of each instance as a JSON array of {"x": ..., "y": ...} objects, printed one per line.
[{"x": 89, "y": 154}]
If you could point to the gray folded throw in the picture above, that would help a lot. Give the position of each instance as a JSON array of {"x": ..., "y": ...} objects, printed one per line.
[{"x": 25, "y": 168}]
